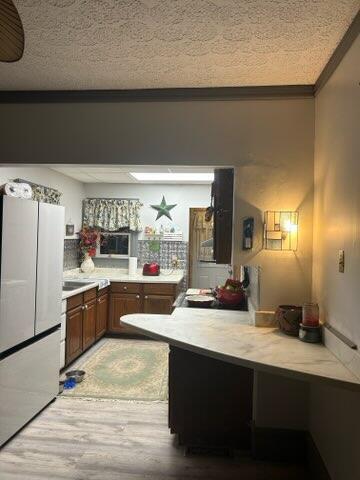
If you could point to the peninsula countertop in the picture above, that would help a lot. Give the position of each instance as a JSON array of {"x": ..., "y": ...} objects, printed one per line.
[{"x": 229, "y": 336}]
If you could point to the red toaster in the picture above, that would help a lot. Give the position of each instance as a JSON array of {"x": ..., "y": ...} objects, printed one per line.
[{"x": 151, "y": 269}]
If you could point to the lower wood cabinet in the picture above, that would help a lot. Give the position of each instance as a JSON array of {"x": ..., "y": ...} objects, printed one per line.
[
  {"x": 123, "y": 304},
  {"x": 74, "y": 334},
  {"x": 93, "y": 313},
  {"x": 127, "y": 298},
  {"x": 161, "y": 304},
  {"x": 102, "y": 309},
  {"x": 86, "y": 321},
  {"x": 89, "y": 323}
]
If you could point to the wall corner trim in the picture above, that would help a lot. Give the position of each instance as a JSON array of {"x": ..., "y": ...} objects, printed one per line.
[{"x": 345, "y": 43}]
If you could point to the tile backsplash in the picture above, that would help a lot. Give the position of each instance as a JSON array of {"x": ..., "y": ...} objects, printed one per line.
[
  {"x": 168, "y": 250},
  {"x": 71, "y": 254}
]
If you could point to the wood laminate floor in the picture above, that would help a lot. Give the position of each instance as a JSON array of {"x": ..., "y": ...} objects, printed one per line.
[{"x": 78, "y": 439}]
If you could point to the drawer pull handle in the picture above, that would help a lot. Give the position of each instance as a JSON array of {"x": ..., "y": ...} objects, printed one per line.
[
  {"x": 125, "y": 288},
  {"x": 86, "y": 307},
  {"x": 83, "y": 307},
  {"x": 138, "y": 296},
  {"x": 146, "y": 297}
]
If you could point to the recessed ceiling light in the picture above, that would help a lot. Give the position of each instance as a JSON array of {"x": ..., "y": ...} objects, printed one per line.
[{"x": 172, "y": 177}]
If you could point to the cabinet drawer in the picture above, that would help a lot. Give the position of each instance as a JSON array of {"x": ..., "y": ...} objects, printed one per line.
[
  {"x": 90, "y": 294},
  {"x": 122, "y": 287},
  {"x": 74, "y": 301},
  {"x": 160, "y": 288}
]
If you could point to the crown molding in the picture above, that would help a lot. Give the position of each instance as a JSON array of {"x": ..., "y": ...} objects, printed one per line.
[{"x": 156, "y": 94}]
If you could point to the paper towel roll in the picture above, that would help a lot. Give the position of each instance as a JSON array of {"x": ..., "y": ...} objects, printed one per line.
[
  {"x": 132, "y": 265},
  {"x": 19, "y": 190},
  {"x": 26, "y": 191},
  {"x": 12, "y": 189}
]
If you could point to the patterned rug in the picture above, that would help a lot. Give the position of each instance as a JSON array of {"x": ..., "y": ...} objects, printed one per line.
[{"x": 125, "y": 369}]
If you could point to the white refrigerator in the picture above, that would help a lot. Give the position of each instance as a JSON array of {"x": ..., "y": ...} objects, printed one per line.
[{"x": 31, "y": 266}]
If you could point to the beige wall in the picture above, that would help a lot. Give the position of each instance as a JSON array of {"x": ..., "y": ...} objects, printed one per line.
[
  {"x": 285, "y": 277},
  {"x": 269, "y": 141},
  {"x": 335, "y": 414}
]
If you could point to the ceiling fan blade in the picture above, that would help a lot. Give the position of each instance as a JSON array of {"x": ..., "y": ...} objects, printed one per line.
[{"x": 11, "y": 33}]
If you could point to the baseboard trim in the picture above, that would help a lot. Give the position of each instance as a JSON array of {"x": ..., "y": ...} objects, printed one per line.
[
  {"x": 279, "y": 445},
  {"x": 285, "y": 445},
  {"x": 315, "y": 462}
]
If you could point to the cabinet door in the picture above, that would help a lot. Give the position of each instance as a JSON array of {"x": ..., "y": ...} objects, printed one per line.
[
  {"x": 222, "y": 191},
  {"x": 101, "y": 315},
  {"x": 161, "y": 304},
  {"x": 74, "y": 334},
  {"x": 89, "y": 324},
  {"x": 123, "y": 304}
]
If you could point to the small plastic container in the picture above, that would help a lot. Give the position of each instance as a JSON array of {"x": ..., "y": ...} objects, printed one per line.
[{"x": 310, "y": 315}]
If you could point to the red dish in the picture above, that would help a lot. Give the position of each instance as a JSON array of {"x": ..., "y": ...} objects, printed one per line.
[
  {"x": 151, "y": 269},
  {"x": 227, "y": 297}
]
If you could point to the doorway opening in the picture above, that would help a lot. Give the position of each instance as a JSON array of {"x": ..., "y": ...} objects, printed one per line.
[{"x": 204, "y": 272}]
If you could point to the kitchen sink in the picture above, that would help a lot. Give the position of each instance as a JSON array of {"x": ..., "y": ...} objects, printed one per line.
[{"x": 69, "y": 286}]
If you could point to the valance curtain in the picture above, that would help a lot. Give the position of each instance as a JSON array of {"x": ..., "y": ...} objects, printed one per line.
[{"x": 112, "y": 214}]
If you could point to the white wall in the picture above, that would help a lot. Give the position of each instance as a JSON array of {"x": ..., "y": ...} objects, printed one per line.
[
  {"x": 335, "y": 414},
  {"x": 72, "y": 190},
  {"x": 185, "y": 196}
]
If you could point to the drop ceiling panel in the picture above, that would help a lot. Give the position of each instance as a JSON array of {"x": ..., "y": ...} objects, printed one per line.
[
  {"x": 111, "y": 174},
  {"x": 87, "y": 44}
]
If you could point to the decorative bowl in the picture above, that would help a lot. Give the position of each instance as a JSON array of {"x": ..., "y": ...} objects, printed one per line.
[
  {"x": 201, "y": 301},
  {"x": 78, "y": 375}
]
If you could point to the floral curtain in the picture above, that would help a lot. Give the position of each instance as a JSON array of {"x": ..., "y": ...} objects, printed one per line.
[
  {"x": 112, "y": 214},
  {"x": 43, "y": 194}
]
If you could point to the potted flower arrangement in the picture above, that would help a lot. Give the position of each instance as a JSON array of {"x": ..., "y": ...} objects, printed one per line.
[{"x": 89, "y": 239}]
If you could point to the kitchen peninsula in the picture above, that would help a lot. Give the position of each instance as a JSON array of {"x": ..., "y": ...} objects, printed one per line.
[{"x": 212, "y": 361}]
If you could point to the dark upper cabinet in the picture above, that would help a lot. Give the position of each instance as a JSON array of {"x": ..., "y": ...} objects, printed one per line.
[{"x": 223, "y": 192}]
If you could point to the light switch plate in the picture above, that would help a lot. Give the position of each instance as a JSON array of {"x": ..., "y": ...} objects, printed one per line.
[{"x": 341, "y": 261}]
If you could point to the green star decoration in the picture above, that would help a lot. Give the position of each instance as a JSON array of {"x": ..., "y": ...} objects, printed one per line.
[{"x": 163, "y": 209}]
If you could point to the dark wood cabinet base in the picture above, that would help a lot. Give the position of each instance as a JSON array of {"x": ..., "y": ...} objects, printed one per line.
[{"x": 210, "y": 402}]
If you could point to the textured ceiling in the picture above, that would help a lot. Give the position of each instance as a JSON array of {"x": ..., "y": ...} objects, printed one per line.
[{"x": 120, "y": 44}]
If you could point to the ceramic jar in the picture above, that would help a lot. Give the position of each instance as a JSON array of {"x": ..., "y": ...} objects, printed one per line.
[{"x": 288, "y": 318}]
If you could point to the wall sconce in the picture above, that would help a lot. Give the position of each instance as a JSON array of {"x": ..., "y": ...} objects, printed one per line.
[{"x": 281, "y": 230}]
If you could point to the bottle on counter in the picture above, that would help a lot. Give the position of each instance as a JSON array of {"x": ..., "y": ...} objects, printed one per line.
[
  {"x": 310, "y": 315},
  {"x": 310, "y": 329}
]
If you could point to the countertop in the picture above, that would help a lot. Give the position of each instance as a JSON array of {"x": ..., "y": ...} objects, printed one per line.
[
  {"x": 117, "y": 275},
  {"x": 230, "y": 337}
]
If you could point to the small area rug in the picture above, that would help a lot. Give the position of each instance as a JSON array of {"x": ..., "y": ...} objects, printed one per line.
[{"x": 127, "y": 370}]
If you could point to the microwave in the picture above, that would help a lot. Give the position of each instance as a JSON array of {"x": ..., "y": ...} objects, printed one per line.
[{"x": 114, "y": 245}]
